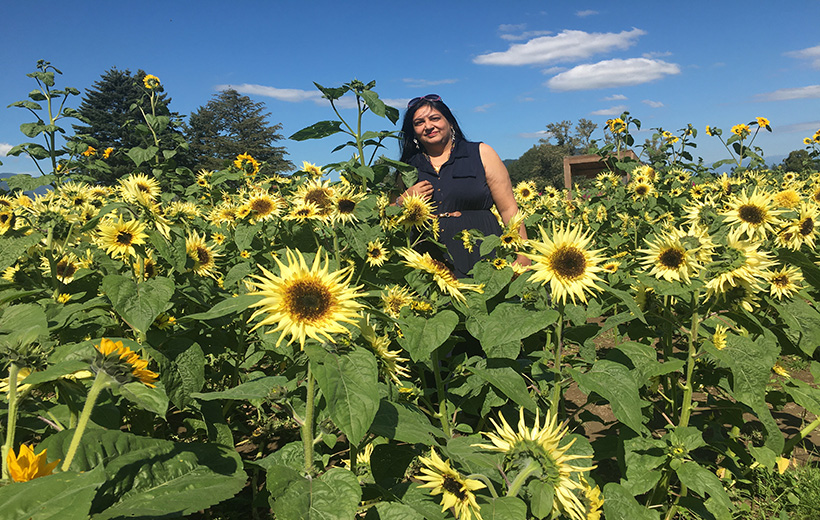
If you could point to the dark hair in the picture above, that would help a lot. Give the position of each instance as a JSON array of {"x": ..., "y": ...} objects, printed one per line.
[{"x": 408, "y": 147}]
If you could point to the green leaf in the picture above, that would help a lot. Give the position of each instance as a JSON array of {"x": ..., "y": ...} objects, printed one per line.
[
  {"x": 702, "y": 481},
  {"x": 372, "y": 99},
  {"x": 12, "y": 248},
  {"x": 396, "y": 511},
  {"x": 628, "y": 300},
  {"x": 349, "y": 383},
  {"x": 32, "y": 129},
  {"x": 174, "y": 252},
  {"x": 507, "y": 380},
  {"x": 318, "y": 130},
  {"x": 619, "y": 504},
  {"x": 254, "y": 389},
  {"x": 184, "y": 374},
  {"x": 542, "y": 496},
  {"x": 403, "y": 423},
  {"x": 243, "y": 236},
  {"x": 21, "y": 325},
  {"x": 503, "y": 508},
  {"x": 152, "y": 399},
  {"x": 803, "y": 394},
  {"x": 333, "y": 496},
  {"x": 806, "y": 333},
  {"x": 138, "y": 304},
  {"x": 496, "y": 329},
  {"x": 389, "y": 463},
  {"x": 642, "y": 457},
  {"x": 615, "y": 383},
  {"x": 140, "y": 155},
  {"x": 63, "y": 496},
  {"x": 54, "y": 372},
  {"x": 226, "y": 307},
  {"x": 424, "y": 335},
  {"x": 152, "y": 478},
  {"x": 645, "y": 360}
]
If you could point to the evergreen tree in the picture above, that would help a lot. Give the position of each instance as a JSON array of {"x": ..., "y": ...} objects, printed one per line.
[
  {"x": 231, "y": 124},
  {"x": 111, "y": 112}
]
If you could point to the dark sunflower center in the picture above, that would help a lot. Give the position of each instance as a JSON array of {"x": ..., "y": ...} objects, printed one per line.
[
  {"x": 752, "y": 214},
  {"x": 415, "y": 213},
  {"x": 261, "y": 206},
  {"x": 4, "y": 217},
  {"x": 65, "y": 269},
  {"x": 308, "y": 300},
  {"x": 143, "y": 188},
  {"x": 374, "y": 252},
  {"x": 150, "y": 269},
  {"x": 318, "y": 197},
  {"x": 453, "y": 486},
  {"x": 346, "y": 206},
  {"x": 780, "y": 280},
  {"x": 203, "y": 255},
  {"x": 124, "y": 238},
  {"x": 568, "y": 262},
  {"x": 303, "y": 212},
  {"x": 507, "y": 239},
  {"x": 806, "y": 226},
  {"x": 642, "y": 190},
  {"x": 79, "y": 201},
  {"x": 671, "y": 258},
  {"x": 525, "y": 193}
]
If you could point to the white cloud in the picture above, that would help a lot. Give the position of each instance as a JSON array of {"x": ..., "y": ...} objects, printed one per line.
[
  {"x": 534, "y": 135},
  {"x": 4, "y": 149},
  {"x": 291, "y": 95},
  {"x": 611, "y": 111},
  {"x": 656, "y": 54},
  {"x": 807, "y": 92},
  {"x": 809, "y": 127},
  {"x": 612, "y": 73},
  {"x": 810, "y": 53},
  {"x": 585, "y": 13},
  {"x": 615, "y": 97},
  {"x": 653, "y": 104},
  {"x": 553, "y": 70},
  {"x": 483, "y": 108},
  {"x": 524, "y": 35},
  {"x": 565, "y": 46},
  {"x": 510, "y": 27},
  {"x": 412, "y": 82}
]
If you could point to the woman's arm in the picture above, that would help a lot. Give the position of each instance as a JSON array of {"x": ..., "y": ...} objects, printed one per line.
[{"x": 498, "y": 180}]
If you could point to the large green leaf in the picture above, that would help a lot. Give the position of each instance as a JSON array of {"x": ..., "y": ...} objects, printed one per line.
[
  {"x": 703, "y": 482},
  {"x": 138, "y": 304},
  {"x": 395, "y": 511},
  {"x": 403, "y": 423},
  {"x": 152, "y": 478},
  {"x": 25, "y": 182},
  {"x": 421, "y": 336},
  {"x": 152, "y": 399},
  {"x": 505, "y": 378},
  {"x": 12, "y": 248},
  {"x": 140, "y": 155},
  {"x": 226, "y": 307},
  {"x": 509, "y": 322},
  {"x": 615, "y": 383},
  {"x": 503, "y": 508},
  {"x": 318, "y": 130},
  {"x": 619, "y": 504},
  {"x": 63, "y": 496},
  {"x": 642, "y": 457},
  {"x": 254, "y": 389},
  {"x": 804, "y": 321},
  {"x": 349, "y": 383},
  {"x": 184, "y": 373},
  {"x": 335, "y": 495},
  {"x": 645, "y": 360},
  {"x": 21, "y": 325}
]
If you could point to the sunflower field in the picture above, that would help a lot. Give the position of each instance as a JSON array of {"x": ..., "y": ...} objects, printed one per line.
[{"x": 246, "y": 345}]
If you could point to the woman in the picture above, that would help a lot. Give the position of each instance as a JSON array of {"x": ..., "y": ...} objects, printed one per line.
[{"x": 462, "y": 178}]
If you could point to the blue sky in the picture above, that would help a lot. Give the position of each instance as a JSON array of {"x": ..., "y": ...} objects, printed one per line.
[{"x": 507, "y": 69}]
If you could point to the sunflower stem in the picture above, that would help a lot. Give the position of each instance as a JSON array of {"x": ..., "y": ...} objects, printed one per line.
[
  {"x": 100, "y": 382},
  {"x": 307, "y": 426},
  {"x": 521, "y": 478},
  {"x": 442, "y": 397},
  {"x": 354, "y": 454},
  {"x": 555, "y": 399},
  {"x": 667, "y": 355},
  {"x": 12, "y": 418},
  {"x": 487, "y": 482},
  {"x": 686, "y": 407},
  {"x": 800, "y": 436}
]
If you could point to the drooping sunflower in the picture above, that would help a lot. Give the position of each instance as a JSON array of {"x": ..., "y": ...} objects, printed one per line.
[
  {"x": 416, "y": 212},
  {"x": 394, "y": 298},
  {"x": 118, "y": 238},
  {"x": 312, "y": 169},
  {"x": 27, "y": 465},
  {"x": 391, "y": 364},
  {"x": 441, "y": 274},
  {"x": 565, "y": 263},
  {"x": 542, "y": 443},
  {"x": 306, "y": 301},
  {"x": 644, "y": 173},
  {"x": 376, "y": 253},
  {"x": 122, "y": 364},
  {"x": 247, "y": 164},
  {"x": 606, "y": 180},
  {"x": 456, "y": 491},
  {"x": 140, "y": 188},
  {"x": 785, "y": 282},
  {"x": 672, "y": 256},
  {"x": 511, "y": 234},
  {"x": 753, "y": 215},
  {"x": 740, "y": 261},
  {"x": 203, "y": 254}
]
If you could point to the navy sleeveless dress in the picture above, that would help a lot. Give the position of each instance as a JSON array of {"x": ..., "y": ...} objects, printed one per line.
[{"x": 459, "y": 185}]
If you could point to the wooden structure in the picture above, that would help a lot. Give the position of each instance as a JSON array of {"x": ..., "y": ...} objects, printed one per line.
[{"x": 589, "y": 166}]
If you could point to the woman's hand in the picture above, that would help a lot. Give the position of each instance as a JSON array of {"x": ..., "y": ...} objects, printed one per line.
[{"x": 423, "y": 189}]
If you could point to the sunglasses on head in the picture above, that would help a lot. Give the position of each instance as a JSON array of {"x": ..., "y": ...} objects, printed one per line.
[{"x": 429, "y": 97}]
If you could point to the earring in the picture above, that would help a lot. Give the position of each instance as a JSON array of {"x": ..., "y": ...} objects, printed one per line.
[{"x": 415, "y": 141}]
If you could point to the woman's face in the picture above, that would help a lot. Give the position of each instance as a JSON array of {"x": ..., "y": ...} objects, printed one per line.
[{"x": 431, "y": 127}]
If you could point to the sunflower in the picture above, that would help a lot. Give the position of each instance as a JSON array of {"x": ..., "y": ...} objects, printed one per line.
[
  {"x": 7, "y": 220},
  {"x": 204, "y": 255},
  {"x": 606, "y": 180},
  {"x": 138, "y": 187},
  {"x": 719, "y": 337},
  {"x": 224, "y": 213},
  {"x": 788, "y": 198},
  {"x": 376, "y": 254},
  {"x": 312, "y": 169},
  {"x": 616, "y": 126},
  {"x": 611, "y": 267},
  {"x": 564, "y": 262},
  {"x": 762, "y": 122},
  {"x": 446, "y": 280},
  {"x": 752, "y": 215},
  {"x": 511, "y": 236},
  {"x": 644, "y": 173},
  {"x": 319, "y": 193},
  {"x": 263, "y": 206},
  {"x": 542, "y": 443},
  {"x": 416, "y": 212},
  {"x": 456, "y": 491},
  {"x": 247, "y": 164},
  {"x": 698, "y": 191},
  {"x": 306, "y": 301},
  {"x": 394, "y": 299},
  {"x": 525, "y": 191},
  {"x": 304, "y": 212},
  {"x": 740, "y": 262},
  {"x": 641, "y": 189},
  {"x": 592, "y": 501},
  {"x": 390, "y": 361},
  {"x": 672, "y": 256},
  {"x": 122, "y": 364},
  {"x": 119, "y": 238},
  {"x": 65, "y": 268},
  {"x": 151, "y": 82},
  {"x": 27, "y": 465},
  {"x": 740, "y": 130},
  {"x": 785, "y": 282},
  {"x": 802, "y": 230},
  {"x": 345, "y": 202}
]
